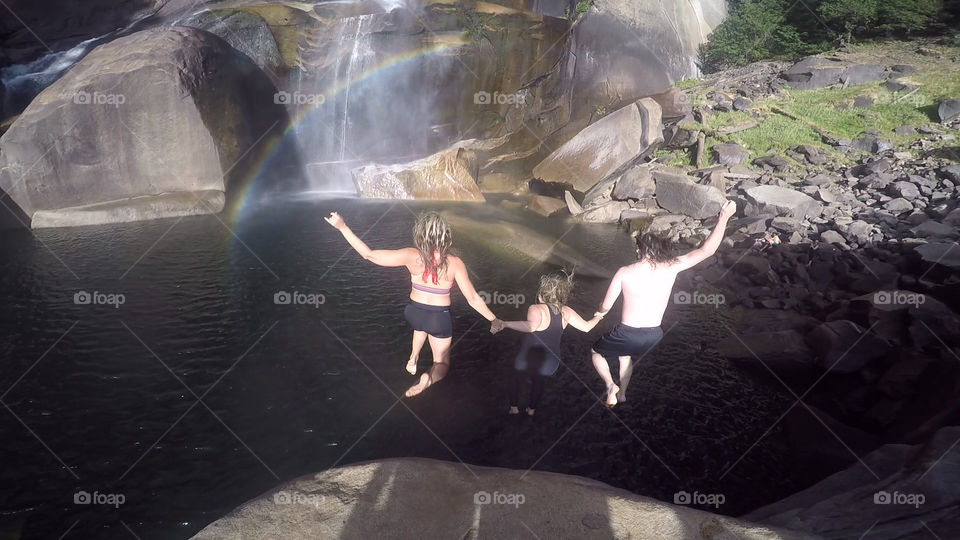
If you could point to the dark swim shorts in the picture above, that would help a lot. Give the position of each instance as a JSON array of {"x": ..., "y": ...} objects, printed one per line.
[
  {"x": 434, "y": 320},
  {"x": 628, "y": 341}
]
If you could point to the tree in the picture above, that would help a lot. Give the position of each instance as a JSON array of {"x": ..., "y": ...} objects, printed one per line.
[
  {"x": 851, "y": 15},
  {"x": 907, "y": 16}
]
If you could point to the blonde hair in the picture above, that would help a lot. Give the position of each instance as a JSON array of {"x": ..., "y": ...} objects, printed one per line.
[
  {"x": 432, "y": 238},
  {"x": 555, "y": 288}
]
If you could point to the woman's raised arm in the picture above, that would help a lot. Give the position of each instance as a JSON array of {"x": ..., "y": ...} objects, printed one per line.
[{"x": 380, "y": 257}]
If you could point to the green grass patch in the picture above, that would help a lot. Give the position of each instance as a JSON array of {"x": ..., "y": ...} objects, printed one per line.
[{"x": 687, "y": 83}]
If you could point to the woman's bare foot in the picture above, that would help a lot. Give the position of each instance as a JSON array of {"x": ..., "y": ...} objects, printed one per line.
[
  {"x": 513, "y": 410},
  {"x": 612, "y": 391},
  {"x": 530, "y": 411},
  {"x": 420, "y": 386},
  {"x": 412, "y": 366}
]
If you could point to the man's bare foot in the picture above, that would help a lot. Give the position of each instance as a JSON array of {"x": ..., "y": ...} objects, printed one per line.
[
  {"x": 612, "y": 391},
  {"x": 513, "y": 410},
  {"x": 622, "y": 396},
  {"x": 530, "y": 411},
  {"x": 420, "y": 386},
  {"x": 412, "y": 366}
]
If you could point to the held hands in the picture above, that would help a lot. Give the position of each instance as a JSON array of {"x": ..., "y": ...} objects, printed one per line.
[
  {"x": 496, "y": 325},
  {"x": 728, "y": 209},
  {"x": 336, "y": 221}
]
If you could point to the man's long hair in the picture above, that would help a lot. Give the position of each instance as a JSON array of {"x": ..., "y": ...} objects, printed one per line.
[
  {"x": 655, "y": 249},
  {"x": 432, "y": 238}
]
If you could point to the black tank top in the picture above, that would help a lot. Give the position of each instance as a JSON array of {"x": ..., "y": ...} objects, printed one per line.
[{"x": 549, "y": 336}]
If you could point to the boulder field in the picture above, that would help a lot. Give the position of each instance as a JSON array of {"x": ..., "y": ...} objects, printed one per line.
[{"x": 424, "y": 498}]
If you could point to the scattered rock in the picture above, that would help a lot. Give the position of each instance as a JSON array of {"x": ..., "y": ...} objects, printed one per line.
[
  {"x": 572, "y": 205},
  {"x": 608, "y": 212},
  {"x": 637, "y": 183},
  {"x": 844, "y": 347},
  {"x": 730, "y": 153},
  {"x": 898, "y": 206},
  {"x": 949, "y": 110},
  {"x": 775, "y": 163},
  {"x": 780, "y": 201},
  {"x": 681, "y": 195},
  {"x": 545, "y": 206}
]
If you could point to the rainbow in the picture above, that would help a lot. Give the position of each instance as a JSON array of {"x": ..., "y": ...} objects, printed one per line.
[{"x": 245, "y": 188}]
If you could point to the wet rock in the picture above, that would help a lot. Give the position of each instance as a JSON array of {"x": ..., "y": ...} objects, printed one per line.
[
  {"x": 608, "y": 212},
  {"x": 545, "y": 206},
  {"x": 600, "y": 149},
  {"x": 444, "y": 176},
  {"x": 949, "y": 110},
  {"x": 572, "y": 205},
  {"x": 681, "y": 195},
  {"x": 730, "y": 154},
  {"x": 637, "y": 183},
  {"x": 844, "y": 347},
  {"x": 780, "y": 201}
]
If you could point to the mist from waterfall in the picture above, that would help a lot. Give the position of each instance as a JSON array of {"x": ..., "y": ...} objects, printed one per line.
[{"x": 376, "y": 98}]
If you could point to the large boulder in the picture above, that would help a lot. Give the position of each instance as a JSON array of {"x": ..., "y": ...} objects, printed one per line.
[
  {"x": 940, "y": 253},
  {"x": 605, "y": 147},
  {"x": 444, "y": 176},
  {"x": 896, "y": 491},
  {"x": 159, "y": 112},
  {"x": 781, "y": 351},
  {"x": 845, "y": 347},
  {"x": 637, "y": 183},
  {"x": 949, "y": 110},
  {"x": 400, "y": 498},
  {"x": 780, "y": 201},
  {"x": 678, "y": 193}
]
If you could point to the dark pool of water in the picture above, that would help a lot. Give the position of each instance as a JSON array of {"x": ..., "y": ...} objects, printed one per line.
[{"x": 199, "y": 392}]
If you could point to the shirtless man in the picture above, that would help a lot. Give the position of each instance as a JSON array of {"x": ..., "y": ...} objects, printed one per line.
[{"x": 646, "y": 286}]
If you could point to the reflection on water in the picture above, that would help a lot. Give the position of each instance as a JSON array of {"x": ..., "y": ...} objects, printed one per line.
[{"x": 199, "y": 392}]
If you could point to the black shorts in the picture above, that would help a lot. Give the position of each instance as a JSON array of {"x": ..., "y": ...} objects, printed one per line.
[
  {"x": 627, "y": 341},
  {"x": 434, "y": 320}
]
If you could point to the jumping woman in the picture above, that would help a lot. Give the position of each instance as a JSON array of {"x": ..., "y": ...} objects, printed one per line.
[
  {"x": 539, "y": 355},
  {"x": 433, "y": 272}
]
